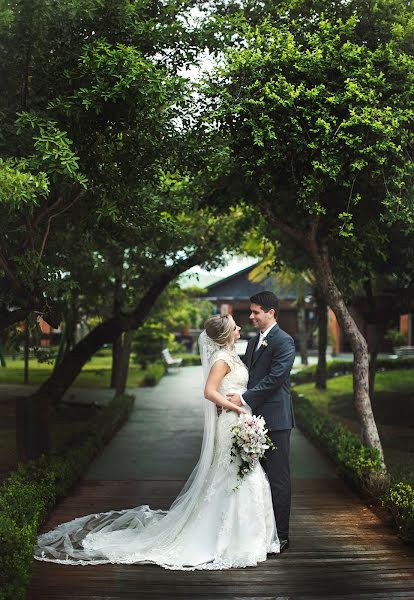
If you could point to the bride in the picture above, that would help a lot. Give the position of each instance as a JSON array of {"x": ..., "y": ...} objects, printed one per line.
[{"x": 216, "y": 522}]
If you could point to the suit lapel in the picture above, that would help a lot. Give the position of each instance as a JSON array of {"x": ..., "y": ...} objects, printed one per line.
[
  {"x": 251, "y": 351},
  {"x": 257, "y": 355}
]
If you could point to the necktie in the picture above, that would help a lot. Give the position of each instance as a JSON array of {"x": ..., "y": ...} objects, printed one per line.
[{"x": 259, "y": 343}]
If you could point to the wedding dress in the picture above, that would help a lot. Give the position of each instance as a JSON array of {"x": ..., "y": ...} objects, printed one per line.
[{"x": 217, "y": 521}]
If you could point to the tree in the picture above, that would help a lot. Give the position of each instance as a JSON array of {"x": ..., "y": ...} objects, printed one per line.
[
  {"x": 95, "y": 121},
  {"x": 285, "y": 262},
  {"x": 318, "y": 113},
  {"x": 281, "y": 274},
  {"x": 89, "y": 96}
]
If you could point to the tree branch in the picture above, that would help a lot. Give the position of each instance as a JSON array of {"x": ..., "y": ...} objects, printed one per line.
[
  {"x": 304, "y": 236},
  {"x": 46, "y": 234},
  {"x": 9, "y": 317},
  {"x": 44, "y": 211}
]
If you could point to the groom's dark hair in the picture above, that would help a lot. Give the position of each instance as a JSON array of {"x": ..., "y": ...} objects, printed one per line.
[{"x": 266, "y": 300}]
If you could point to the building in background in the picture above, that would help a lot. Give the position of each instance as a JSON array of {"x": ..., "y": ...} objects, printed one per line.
[{"x": 231, "y": 295}]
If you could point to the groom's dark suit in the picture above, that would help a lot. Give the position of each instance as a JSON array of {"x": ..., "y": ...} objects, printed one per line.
[{"x": 268, "y": 394}]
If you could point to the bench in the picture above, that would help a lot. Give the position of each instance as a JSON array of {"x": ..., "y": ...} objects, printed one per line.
[
  {"x": 405, "y": 351},
  {"x": 172, "y": 363}
]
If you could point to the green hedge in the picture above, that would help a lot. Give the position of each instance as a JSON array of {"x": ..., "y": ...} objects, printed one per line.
[
  {"x": 32, "y": 490},
  {"x": 399, "y": 499},
  {"x": 353, "y": 459},
  {"x": 190, "y": 360},
  {"x": 335, "y": 368},
  {"x": 153, "y": 374},
  {"x": 358, "y": 463}
]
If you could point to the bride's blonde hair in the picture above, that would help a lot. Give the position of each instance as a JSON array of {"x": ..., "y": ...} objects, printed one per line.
[{"x": 220, "y": 329}]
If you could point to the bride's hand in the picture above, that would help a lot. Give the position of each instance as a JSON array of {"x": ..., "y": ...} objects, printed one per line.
[{"x": 238, "y": 409}]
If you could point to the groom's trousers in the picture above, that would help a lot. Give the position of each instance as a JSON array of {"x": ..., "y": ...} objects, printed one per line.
[{"x": 277, "y": 467}]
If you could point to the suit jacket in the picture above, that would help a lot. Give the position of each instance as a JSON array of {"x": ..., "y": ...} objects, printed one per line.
[{"x": 268, "y": 390}]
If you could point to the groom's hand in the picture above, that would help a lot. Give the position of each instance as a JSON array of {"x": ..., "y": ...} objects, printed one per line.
[{"x": 235, "y": 398}]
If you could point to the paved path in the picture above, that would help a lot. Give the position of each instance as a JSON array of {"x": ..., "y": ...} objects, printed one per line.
[
  {"x": 339, "y": 548},
  {"x": 165, "y": 430}
]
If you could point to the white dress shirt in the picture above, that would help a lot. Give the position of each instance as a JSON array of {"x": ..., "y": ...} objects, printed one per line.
[{"x": 262, "y": 336}]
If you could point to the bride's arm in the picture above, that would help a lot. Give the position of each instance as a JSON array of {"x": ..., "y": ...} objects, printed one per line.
[{"x": 219, "y": 369}]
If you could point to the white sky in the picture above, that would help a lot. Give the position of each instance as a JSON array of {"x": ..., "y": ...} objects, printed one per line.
[
  {"x": 196, "y": 275},
  {"x": 236, "y": 263}
]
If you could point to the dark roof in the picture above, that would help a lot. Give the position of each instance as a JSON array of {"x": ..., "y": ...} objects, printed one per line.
[{"x": 239, "y": 287}]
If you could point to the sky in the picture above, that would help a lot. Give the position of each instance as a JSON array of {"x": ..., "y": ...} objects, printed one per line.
[
  {"x": 197, "y": 276},
  {"x": 202, "y": 278}
]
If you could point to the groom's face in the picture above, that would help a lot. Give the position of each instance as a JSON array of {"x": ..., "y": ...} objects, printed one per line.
[{"x": 260, "y": 318}]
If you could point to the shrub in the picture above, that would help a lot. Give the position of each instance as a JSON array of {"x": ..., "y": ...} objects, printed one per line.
[
  {"x": 149, "y": 341},
  {"x": 190, "y": 360},
  {"x": 153, "y": 374},
  {"x": 355, "y": 460},
  {"x": 31, "y": 491},
  {"x": 399, "y": 500},
  {"x": 343, "y": 367},
  {"x": 360, "y": 464},
  {"x": 396, "y": 337}
]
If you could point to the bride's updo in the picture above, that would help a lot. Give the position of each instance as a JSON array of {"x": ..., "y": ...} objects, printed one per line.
[{"x": 220, "y": 329}]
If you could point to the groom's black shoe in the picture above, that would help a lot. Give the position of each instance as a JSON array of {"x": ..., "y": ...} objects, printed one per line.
[{"x": 284, "y": 545}]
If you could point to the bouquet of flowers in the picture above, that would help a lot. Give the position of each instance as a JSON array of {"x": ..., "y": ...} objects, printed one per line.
[{"x": 250, "y": 441}]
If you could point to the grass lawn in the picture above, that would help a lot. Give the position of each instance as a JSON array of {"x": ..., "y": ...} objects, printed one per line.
[
  {"x": 393, "y": 406},
  {"x": 95, "y": 374},
  {"x": 68, "y": 422}
]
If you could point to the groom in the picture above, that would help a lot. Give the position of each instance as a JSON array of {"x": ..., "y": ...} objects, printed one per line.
[{"x": 269, "y": 358}]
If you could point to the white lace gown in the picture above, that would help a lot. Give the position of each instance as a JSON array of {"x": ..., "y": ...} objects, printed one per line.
[{"x": 225, "y": 528}]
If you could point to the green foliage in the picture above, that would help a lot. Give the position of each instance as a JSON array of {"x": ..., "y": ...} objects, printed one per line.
[
  {"x": 149, "y": 341},
  {"x": 353, "y": 458},
  {"x": 176, "y": 309},
  {"x": 52, "y": 150},
  {"x": 19, "y": 188},
  {"x": 396, "y": 337},
  {"x": 90, "y": 111},
  {"x": 399, "y": 500},
  {"x": 357, "y": 463},
  {"x": 16, "y": 556},
  {"x": 336, "y": 368},
  {"x": 31, "y": 491},
  {"x": 153, "y": 374},
  {"x": 189, "y": 360},
  {"x": 316, "y": 103},
  {"x": 118, "y": 72},
  {"x": 179, "y": 308}
]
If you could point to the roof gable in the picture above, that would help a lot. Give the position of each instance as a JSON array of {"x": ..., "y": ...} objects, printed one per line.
[{"x": 238, "y": 286}]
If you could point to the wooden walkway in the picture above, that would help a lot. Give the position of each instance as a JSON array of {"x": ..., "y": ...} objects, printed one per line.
[{"x": 339, "y": 547}]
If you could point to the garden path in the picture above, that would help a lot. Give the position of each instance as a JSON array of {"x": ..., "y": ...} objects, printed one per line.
[{"x": 339, "y": 548}]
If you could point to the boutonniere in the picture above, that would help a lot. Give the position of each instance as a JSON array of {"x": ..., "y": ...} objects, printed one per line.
[{"x": 264, "y": 344}]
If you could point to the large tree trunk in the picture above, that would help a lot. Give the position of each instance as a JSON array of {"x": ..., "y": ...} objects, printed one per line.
[
  {"x": 36, "y": 431},
  {"x": 72, "y": 317},
  {"x": 123, "y": 363},
  {"x": 322, "y": 318},
  {"x": 2, "y": 355},
  {"x": 303, "y": 336},
  {"x": 379, "y": 332},
  {"x": 116, "y": 359},
  {"x": 61, "y": 350},
  {"x": 26, "y": 350},
  {"x": 369, "y": 431},
  {"x": 117, "y": 345}
]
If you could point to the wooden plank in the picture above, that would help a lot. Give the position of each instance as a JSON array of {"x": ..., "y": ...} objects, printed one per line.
[{"x": 339, "y": 549}]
